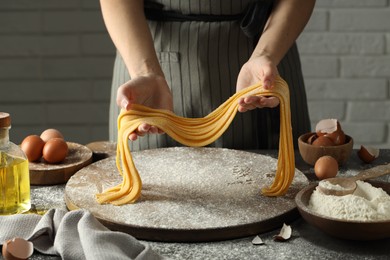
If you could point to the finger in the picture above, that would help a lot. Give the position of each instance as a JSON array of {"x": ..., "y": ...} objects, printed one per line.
[
  {"x": 133, "y": 136},
  {"x": 250, "y": 106},
  {"x": 242, "y": 109},
  {"x": 121, "y": 98},
  {"x": 251, "y": 99},
  {"x": 270, "y": 102},
  {"x": 143, "y": 129},
  {"x": 268, "y": 77},
  {"x": 153, "y": 130}
]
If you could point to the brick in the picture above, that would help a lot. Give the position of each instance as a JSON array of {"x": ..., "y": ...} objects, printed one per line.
[
  {"x": 98, "y": 133},
  {"x": 388, "y": 43},
  {"x": 319, "y": 66},
  {"x": 318, "y": 21},
  {"x": 365, "y": 66},
  {"x": 350, "y": 3},
  {"x": 97, "y": 44},
  {"x": 101, "y": 90},
  {"x": 346, "y": 89},
  {"x": 20, "y": 68},
  {"x": 37, "y": 45},
  {"x": 76, "y": 68},
  {"x": 25, "y": 114},
  {"x": 341, "y": 43},
  {"x": 90, "y": 4},
  {"x": 72, "y": 133},
  {"x": 366, "y": 133},
  {"x": 373, "y": 20},
  {"x": 73, "y": 21},
  {"x": 326, "y": 109},
  {"x": 38, "y": 4},
  {"x": 77, "y": 113},
  {"x": 76, "y": 133},
  {"x": 369, "y": 111},
  {"x": 45, "y": 91},
  {"x": 20, "y": 22}
]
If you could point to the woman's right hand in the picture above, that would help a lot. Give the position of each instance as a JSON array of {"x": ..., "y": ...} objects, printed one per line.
[{"x": 151, "y": 91}]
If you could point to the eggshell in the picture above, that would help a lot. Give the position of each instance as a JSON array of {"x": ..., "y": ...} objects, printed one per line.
[
  {"x": 312, "y": 138},
  {"x": 323, "y": 141},
  {"x": 32, "y": 146},
  {"x": 51, "y": 133},
  {"x": 326, "y": 167},
  {"x": 55, "y": 150},
  {"x": 331, "y": 128},
  {"x": 17, "y": 249},
  {"x": 368, "y": 154},
  {"x": 327, "y": 126}
]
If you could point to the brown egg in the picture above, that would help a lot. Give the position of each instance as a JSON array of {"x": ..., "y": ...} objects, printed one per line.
[
  {"x": 51, "y": 133},
  {"x": 55, "y": 150},
  {"x": 338, "y": 137},
  {"x": 32, "y": 146},
  {"x": 17, "y": 248},
  {"x": 326, "y": 167},
  {"x": 323, "y": 141}
]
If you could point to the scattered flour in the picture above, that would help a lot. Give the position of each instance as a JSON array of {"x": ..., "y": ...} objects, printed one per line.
[{"x": 367, "y": 203}]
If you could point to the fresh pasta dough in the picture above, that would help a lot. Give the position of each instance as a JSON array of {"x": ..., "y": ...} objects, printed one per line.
[{"x": 199, "y": 132}]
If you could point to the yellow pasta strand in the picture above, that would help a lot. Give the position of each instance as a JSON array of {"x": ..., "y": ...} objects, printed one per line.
[{"x": 199, "y": 132}]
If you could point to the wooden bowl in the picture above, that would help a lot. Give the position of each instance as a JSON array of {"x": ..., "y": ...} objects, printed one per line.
[
  {"x": 353, "y": 230},
  {"x": 310, "y": 153}
]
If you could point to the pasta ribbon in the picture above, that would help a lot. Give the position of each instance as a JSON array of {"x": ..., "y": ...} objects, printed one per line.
[{"x": 199, "y": 132}]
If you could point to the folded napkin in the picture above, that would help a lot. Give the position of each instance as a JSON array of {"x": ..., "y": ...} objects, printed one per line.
[{"x": 73, "y": 235}]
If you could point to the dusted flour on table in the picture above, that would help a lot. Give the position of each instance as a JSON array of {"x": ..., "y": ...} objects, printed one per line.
[{"x": 367, "y": 203}]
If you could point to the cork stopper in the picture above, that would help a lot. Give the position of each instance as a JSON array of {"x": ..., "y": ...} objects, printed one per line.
[{"x": 5, "y": 119}]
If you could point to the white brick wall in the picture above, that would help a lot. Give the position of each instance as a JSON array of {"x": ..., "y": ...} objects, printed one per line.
[
  {"x": 56, "y": 65},
  {"x": 345, "y": 52},
  {"x": 55, "y": 68}
]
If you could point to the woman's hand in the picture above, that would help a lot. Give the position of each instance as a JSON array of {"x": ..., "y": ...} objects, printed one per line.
[
  {"x": 257, "y": 68},
  {"x": 151, "y": 91}
]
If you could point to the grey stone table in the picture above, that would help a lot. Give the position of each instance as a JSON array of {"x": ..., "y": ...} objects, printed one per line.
[{"x": 307, "y": 242}]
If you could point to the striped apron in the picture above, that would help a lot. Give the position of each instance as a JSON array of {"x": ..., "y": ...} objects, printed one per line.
[{"x": 201, "y": 61}]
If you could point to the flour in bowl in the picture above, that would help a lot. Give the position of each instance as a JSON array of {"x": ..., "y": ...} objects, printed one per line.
[{"x": 367, "y": 203}]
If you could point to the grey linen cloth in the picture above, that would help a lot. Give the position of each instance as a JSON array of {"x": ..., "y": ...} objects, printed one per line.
[{"x": 73, "y": 235}]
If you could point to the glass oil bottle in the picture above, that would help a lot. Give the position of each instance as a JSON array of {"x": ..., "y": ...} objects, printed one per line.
[{"x": 14, "y": 173}]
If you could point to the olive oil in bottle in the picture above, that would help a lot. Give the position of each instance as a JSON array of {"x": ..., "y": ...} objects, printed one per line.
[{"x": 14, "y": 173}]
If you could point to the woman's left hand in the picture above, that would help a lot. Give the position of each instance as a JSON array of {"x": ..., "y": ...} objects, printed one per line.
[{"x": 257, "y": 68}]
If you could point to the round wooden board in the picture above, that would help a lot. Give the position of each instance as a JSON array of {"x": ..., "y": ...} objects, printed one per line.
[
  {"x": 102, "y": 149},
  {"x": 189, "y": 195},
  {"x": 42, "y": 173}
]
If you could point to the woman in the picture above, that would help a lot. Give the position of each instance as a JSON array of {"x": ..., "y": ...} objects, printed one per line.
[{"x": 191, "y": 56}]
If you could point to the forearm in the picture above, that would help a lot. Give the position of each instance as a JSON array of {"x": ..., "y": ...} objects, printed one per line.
[
  {"x": 129, "y": 31},
  {"x": 283, "y": 27}
]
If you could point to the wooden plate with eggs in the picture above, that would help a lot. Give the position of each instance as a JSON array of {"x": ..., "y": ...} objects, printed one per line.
[{"x": 42, "y": 173}]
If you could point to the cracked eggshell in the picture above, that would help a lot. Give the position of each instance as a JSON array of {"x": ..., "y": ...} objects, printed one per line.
[
  {"x": 257, "y": 241},
  {"x": 332, "y": 129},
  {"x": 284, "y": 234},
  {"x": 17, "y": 249},
  {"x": 312, "y": 138},
  {"x": 368, "y": 154}
]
